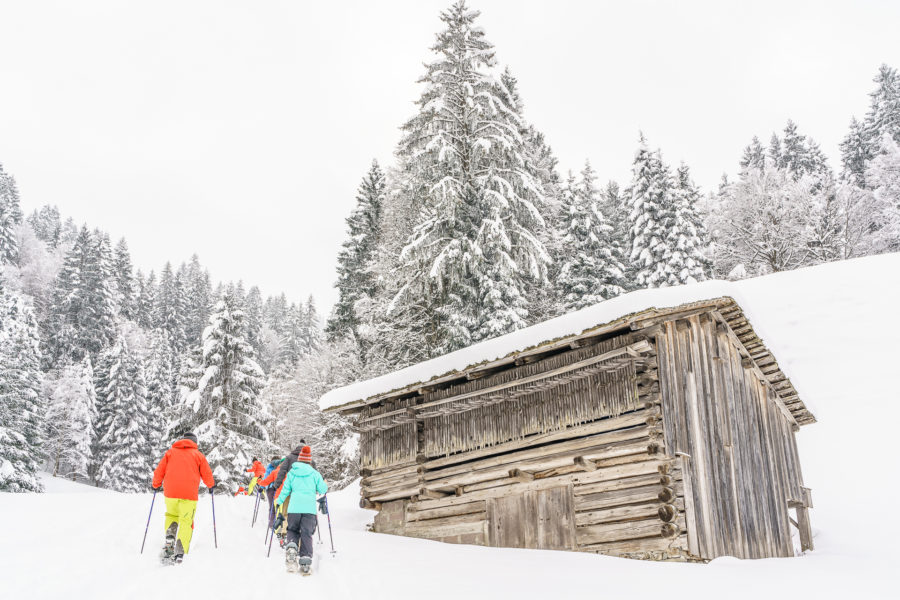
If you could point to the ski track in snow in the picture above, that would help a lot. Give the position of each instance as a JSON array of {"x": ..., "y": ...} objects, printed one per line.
[{"x": 830, "y": 327}]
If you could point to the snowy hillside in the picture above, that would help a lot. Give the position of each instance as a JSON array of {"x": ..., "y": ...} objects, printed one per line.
[{"x": 832, "y": 331}]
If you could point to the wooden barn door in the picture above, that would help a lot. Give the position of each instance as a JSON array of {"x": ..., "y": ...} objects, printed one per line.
[{"x": 533, "y": 519}]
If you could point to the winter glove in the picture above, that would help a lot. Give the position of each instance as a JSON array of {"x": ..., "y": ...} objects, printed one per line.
[
  {"x": 279, "y": 520},
  {"x": 153, "y": 489},
  {"x": 323, "y": 505},
  {"x": 212, "y": 490}
]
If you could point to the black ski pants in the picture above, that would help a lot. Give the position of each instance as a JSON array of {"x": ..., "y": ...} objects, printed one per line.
[{"x": 302, "y": 526}]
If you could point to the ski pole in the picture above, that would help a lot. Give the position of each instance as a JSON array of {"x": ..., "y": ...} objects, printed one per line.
[
  {"x": 212, "y": 499},
  {"x": 318, "y": 531},
  {"x": 271, "y": 537},
  {"x": 148, "y": 519},
  {"x": 255, "y": 509},
  {"x": 328, "y": 514}
]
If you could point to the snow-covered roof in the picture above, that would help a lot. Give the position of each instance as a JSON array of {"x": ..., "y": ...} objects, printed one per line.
[{"x": 611, "y": 314}]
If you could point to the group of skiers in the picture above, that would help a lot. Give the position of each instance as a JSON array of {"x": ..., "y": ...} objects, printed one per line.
[{"x": 291, "y": 485}]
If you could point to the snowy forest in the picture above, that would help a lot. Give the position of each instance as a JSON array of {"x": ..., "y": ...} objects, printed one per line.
[{"x": 472, "y": 232}]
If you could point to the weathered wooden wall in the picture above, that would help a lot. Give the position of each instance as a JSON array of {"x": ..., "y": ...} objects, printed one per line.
[
  {"x": 743, "y": 464},
  {"x": 584, "y": 397}
]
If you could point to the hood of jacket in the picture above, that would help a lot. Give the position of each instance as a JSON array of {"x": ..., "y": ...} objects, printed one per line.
[
  {"x": 183, "y": 444},
  {"x": 301, "y": 469}
]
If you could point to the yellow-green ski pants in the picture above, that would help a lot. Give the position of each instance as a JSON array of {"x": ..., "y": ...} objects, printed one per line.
[{"x": 182, "y": 512}]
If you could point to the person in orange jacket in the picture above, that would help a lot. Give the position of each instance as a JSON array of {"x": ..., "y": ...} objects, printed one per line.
[
  {"x": 179, "y": 472},
  {"x": 258, "y": 471}
]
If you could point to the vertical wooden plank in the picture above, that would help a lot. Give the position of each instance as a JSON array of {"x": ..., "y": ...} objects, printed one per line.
[
  {"x": 698, "y": 456},
  {"x": 689, "y": 508}
]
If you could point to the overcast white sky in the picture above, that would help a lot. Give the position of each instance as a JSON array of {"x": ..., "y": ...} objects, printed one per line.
[{"x": 240, "y": 130}]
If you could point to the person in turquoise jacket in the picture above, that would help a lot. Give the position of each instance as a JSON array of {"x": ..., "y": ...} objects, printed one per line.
[{"x": 302, "y": 483}]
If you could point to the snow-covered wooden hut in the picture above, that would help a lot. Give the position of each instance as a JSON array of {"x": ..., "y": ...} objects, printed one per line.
[{"x": 657, "y": 433}]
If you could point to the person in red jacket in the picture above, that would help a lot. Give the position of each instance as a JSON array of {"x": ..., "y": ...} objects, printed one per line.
[{"x": 180, "y": 471}]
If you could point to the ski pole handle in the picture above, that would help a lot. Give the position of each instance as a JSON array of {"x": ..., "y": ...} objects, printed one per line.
[{"x": 152, "y": 502}]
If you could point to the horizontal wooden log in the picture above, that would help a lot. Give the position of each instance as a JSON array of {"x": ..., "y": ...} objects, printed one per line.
[
  {"x": 388, "y": 479},
  {"x": 641, "y": 495},
  {"x": 601, "y": 426},
  {"x": 407, "y": 466},
  {"x": 413, "y": 513},
  {"x": 560, "y": 466},
  {"x": 632, "y": 512},
  {"x": 632, "y": 453},
  {"x": 426, "y": 530},
  {"x": 451, "y": 520},
  {"x": 613, "y": 532},
  {"x": 619, "y": 484},
  {"x": 392, "y": 486},
  {"x": 626, "y": 472},
  {"x": 394, "y": 495},
  {"x": 547, "y": 457},
  {"x": 649, "y": 544}
]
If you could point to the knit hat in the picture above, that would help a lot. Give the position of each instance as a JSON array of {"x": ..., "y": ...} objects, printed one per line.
[
  {"x": 305, "y": 454},
  {"x": 189, "y": 436}
]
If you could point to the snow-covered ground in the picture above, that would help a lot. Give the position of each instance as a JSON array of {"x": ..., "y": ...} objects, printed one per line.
[{"x": 832, "y": 329}]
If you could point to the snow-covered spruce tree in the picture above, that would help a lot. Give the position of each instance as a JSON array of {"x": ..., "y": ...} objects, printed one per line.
[
  {"x": 614, "y": 206},
  {"x": 800, "y": 155},
  {"x": 253, "y": 322},
  {"x": 169, "y": 307},
  {"x": 225, "y": 410},
  {"x": 198, "y": 300},
  {"x": 541, "y": 164},
  {"x": 123, "y": 274},
  {"x": 650, "y": 218},
  {"x": 161, "y": 375},
  {"x": 883, "y": 117},
  {"x": 47, "y": 225},
  {"x": 687, "y": 236},
  {"x": 856, "y": 152},
  {"x": 123, "y": 445},
  {"x": 145, "y": 298},
  {"x": 754, "y": 155},
  {"x": 10, "y": 217},
  {"x": 21, "y": 406},
  {"x": 82, "y": 313},
  {"x": 71, "y": 414},
  {"x": 355, "y": 278},
  {"x": 476, "y": 241},
  {"x": 590, "y": 272}
]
